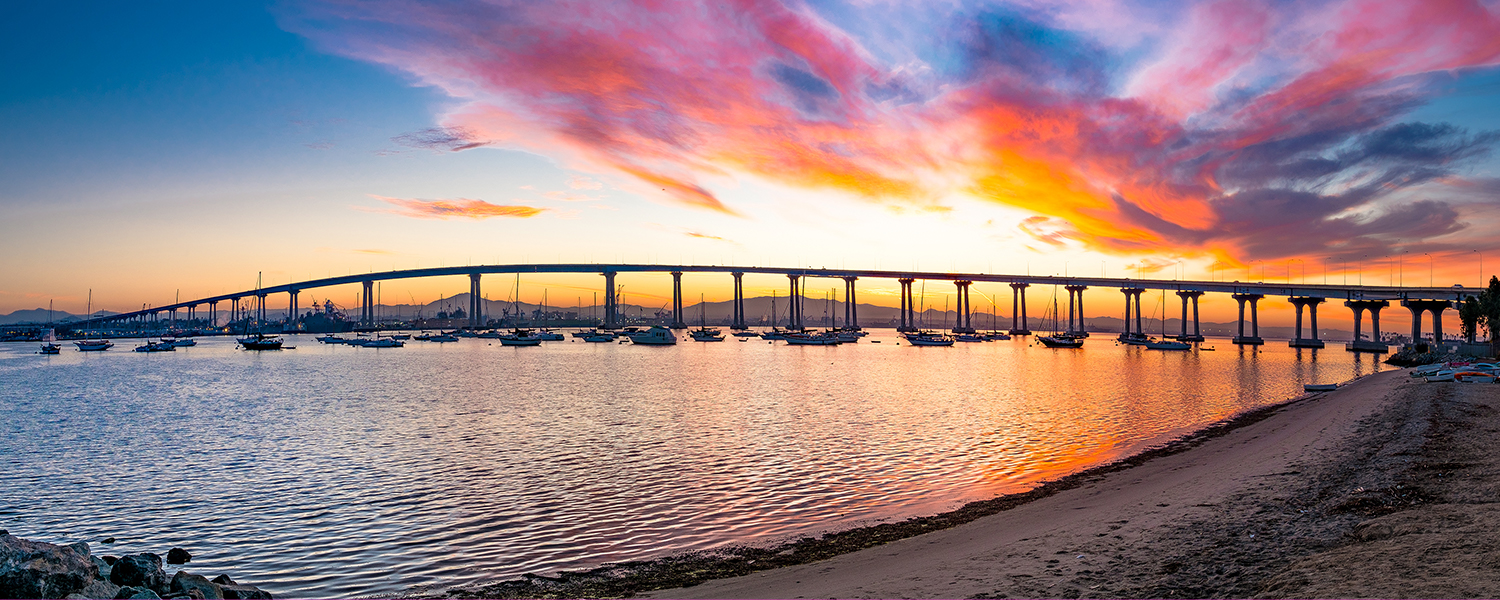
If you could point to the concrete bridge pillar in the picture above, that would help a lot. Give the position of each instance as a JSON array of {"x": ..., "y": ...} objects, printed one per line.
[
  {"x": 1254, "y": 338},
  {"x": 964, "y": 322},
  {"x": 1417, "y": 307},
  {"x": 611, "y": 315},
  {"x": 1358, "y": 344},
  {"x": 291, "y": 308},
  {"x": 260, "y": 313},
  {"x": 1079, "y": 328},
  {"x": 738, "y": 322},
  {"x": 1132, "y": 297},
  {"x": 794, "y": 318},
  {"x": 677, "y": 301},
  {"x": 213, "y": 314},
  {"x": 476, "y": 303},
  {"x": 851, "y": 305},
  {"x": 1196, "y": 335},
  {"x": 1018, "y": 309},
  {"x": 1311, "y": 304},
  {"x": 908, "y": 321}
]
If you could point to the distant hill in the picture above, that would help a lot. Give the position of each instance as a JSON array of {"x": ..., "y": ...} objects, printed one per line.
[{"x": 39, "y": 315}]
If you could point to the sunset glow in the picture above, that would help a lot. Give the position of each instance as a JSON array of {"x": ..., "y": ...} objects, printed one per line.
[{"x": 1182, "y": 139}]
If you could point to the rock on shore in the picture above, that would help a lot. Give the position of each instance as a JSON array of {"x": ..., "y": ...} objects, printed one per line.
[{"x": 30, "y": 569}]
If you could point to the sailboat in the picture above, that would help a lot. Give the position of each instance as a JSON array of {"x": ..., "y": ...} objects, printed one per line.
[
  {"x": 703, "y": 333},
  {"x": 519, "y": 336},
  {"x": 49, "y": 345},
  {"x": 776, "y": 333},
  {"x": 1163, "y": 343},
  {"x": 259, "y": 341},
  {"x": 1058, "y": 339}
]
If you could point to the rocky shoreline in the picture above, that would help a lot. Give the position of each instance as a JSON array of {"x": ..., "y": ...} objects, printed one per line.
[{"x": 31, "y": 569}]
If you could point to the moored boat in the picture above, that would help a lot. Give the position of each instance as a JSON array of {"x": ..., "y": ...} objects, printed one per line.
[
  {"x": 811, "y": 339},
  {"x": 260, "y": 341},
  {"x": 1320, "y": 387},
  {"x": 656, "y": 336},
  {"x": 929, "y": 339},
  {"x": 93, "y": 345},
  {"x": 158, "y": 346},
  {"x": 1167, "y": 345},
  {"x": 1054, "y": 341}
]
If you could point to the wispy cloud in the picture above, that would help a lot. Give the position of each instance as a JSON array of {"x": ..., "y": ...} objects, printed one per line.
[
  {"x": 579, "y": 182},
  {"x": 457, "y": 207},
  {"x": 440, "y": 139},
  {"x": 703, "y": 236}
]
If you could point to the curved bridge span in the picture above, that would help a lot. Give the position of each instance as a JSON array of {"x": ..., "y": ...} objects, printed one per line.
[{"x": 1359, "y": 298}]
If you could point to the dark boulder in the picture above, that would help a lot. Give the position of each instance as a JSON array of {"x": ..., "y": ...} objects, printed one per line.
[
  {"x": 244, "y": 592},
  {"x": 40, "y": 570},
  {"x": 136, "y": 593},
  {"x": 222, "y": 578},
  {"x": 187, "y": 583},
  {"x": 139, "y": 570},
  {"x": 178, "y": 556}
]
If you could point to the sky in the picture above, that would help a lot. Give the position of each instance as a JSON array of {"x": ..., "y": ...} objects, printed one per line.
[{"x": 160, "y": 150}]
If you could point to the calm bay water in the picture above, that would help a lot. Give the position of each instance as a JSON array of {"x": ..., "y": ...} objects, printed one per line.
[{"x": 339, "y": 471}]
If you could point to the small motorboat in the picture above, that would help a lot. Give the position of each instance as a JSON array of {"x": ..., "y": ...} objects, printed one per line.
[
  {"x": 656, "y": 336},
  {"x": 599, "y": 338},
  {"x": 160, "y": 346},
  {"x": 1445, "y": 375},
  {"x": 443, "y": 338},
  {"x": 332, "y": 339},
  {"x": 50, "y": 349},
  {"x": 1319, "y": 387},
  {"x": 549, "y": 336},
  {"x": 996, "y": 336},
  {"x": 968, "y": 337},
  {"x": 93, "y": 345},
  {"x": 181, "y": 342},
  {"x": 1475, "y": 376},
  {"x": 774, "y": 334},
  {"x": 400, "y": 336},
  {"x": 745, "y": 334},
  {"x": 385, "y": 342}
]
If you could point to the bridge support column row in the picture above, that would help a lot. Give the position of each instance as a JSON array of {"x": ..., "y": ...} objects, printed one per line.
[
  {"x": 1311, "y": 304},
  {"x": 1133, "y": 297},
  {"x": 851, "y": 305},
  {"x": 1436, "y": 307},
  {"x": 964, "y": 322},
  {"x": 1359, "y": 344},
  {"x": 738, "y": 323},
  {"x": 908, "y": 319},
  {"x": 677, "y": 301},
  {"x": 1254, "y": 338},
  {"x": 1197, "y": 335},
  {"x": 611, "y": 316},
  {"x": 1075, "y": 324},
  {"x": 1018, "y": 309}
]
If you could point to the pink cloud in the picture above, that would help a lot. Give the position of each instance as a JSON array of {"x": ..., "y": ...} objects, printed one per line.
[{"x": 458, "y": 207}]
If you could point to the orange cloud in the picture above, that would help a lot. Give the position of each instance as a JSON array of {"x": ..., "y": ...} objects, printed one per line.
[{"x": 459, "y": 207}]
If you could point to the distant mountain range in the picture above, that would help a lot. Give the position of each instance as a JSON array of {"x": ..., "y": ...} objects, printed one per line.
[{"x": 39, "y": 315}]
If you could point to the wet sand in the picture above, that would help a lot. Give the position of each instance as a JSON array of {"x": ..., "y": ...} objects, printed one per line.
[{"x": 1384, "y": 488}]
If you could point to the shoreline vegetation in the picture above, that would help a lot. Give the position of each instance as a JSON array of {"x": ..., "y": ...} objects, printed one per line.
[{"x": 683, "y": 575}]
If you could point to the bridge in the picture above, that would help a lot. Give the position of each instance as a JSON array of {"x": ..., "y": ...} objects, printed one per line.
[{"x": 1304, "y": 297}]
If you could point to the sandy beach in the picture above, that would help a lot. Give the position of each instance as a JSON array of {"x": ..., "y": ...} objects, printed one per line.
[{"x": 1384, "y": 488}]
